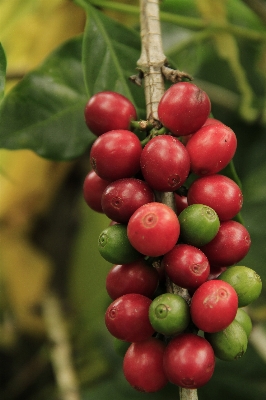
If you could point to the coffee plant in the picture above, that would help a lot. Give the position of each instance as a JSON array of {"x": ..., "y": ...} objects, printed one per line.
[{"x": 158, "y": 157}]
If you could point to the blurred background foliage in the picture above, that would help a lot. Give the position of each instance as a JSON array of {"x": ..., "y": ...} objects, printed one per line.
[{"x": 58, "y": 54}]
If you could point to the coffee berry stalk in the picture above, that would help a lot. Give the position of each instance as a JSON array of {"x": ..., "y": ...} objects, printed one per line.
[{"x": 198, "y": 246}]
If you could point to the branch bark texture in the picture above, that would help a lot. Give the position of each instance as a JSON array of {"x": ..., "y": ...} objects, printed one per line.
[
  {"x": 151, "y": 63},
  {"x": 152, "y": 57}
]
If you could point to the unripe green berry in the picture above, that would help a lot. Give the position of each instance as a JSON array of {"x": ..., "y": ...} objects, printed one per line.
[
  {"x": 169, "y": 314},
  {"x": 199, "y": 224}
]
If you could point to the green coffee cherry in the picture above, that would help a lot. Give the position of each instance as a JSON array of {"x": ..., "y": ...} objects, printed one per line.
[
  {"x": 169, "y": 314},
  {"x": 230, "y": 343},
  {"x": 246, "y": 282},
  {"x": 199, "y": 224},
  {"x": 244, "y": 320},
  {"x": 114, "y": 246}
]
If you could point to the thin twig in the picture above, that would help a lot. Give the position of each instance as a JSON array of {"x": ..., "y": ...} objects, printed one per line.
[
  {"x": 188, "y": 394},
  {"x": 60, "y": 349},
  {"x": 151, "y": 63}
]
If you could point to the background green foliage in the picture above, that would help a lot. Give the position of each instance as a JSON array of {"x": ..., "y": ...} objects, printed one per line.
[
  {"x": 48, "y": 107},
  {"x": 2, "y": 71}
]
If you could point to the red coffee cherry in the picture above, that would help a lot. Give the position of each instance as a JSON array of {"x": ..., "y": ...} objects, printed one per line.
[
  {"x": 211, "y": 148},
  {"x": 127, "y": 318},
  {"x": 210, "y": 121},
  {"x": 143, "y": 365},
  {"x": 215, "y": 272},
  {"x": 116, "y": 155},
  {"x": 165, "y": 163},
  {"x": 229, "y": 246},
  {"x": 122, "y": 197},
  {"x": 214, "y": 306},
  {"x": 153, "y": 229},
  {"x": 184, "y": 108},
  {"x": 107, "y": 110},
  {"x": 136, "y": 277},
  {"x": 180, "y": 203},
  {"x": 187, "y": 266},
  {"x": 189, "y": 361},
  {"x": 218, "y": 192},
  {"x": 93, "y": 188}
]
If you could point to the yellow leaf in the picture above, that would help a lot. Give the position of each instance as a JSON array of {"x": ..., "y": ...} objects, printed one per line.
[
  {"x": 31, "y": 29},
  {"x": 28, "y": 185},
  {"x": 25, "y": 274}
]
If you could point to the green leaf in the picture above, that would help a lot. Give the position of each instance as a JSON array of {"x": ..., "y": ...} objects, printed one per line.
[
  {"x": 110, "y": 53},
  {"x": 2, "y": 71},
  {"x": 44, "y": 111}
]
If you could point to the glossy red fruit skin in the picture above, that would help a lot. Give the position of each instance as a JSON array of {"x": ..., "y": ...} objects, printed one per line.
[
  {"x": 127, "y": 318},
  {"x": 211, "y": 149},
  {"x": 180, "y": 202},
  {"x": 187, "y": 266},
  {"x": 218, "y": 192},
  {"x": 108, "y": 110},
  {"x": 143, "y": 365},
  {"x": 214, "y": 306},
  {"x": 153, "y": 229},
  {"x": 122, "y": 197},
  {"x": 215, "y": 272},
  {"x": 189, "y": 361},
  {"x": 93, "y": 188},
  {"x": 229, "y": 246},
  {"x": 165, "y": 163},
  {"x": 184, "y": 108},
  {"x": 116, "y": 155},
  {"x": 211, "y": 121},
  {"x": 136, "y": 277}
]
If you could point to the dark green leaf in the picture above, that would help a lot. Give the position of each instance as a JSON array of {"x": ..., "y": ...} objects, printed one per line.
[
  {"x": 44, "y": 111},
  {"x": 110, "y": 53},
  {"x": 2, "y": 71}
]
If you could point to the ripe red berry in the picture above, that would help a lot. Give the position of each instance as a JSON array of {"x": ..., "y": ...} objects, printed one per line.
[
  {"x": 187, "y": 266},
  {"x": 189, "y": 361},
  {"x": 218, "y": 192},
  {"x": 127, "y": 318},
  {"x": 107, "y": 110},
  {"x": 180, "y": 203},
  {"x": 136, "y": 277},
  {"x": 122, "y": 197},
  {"x": 229, "y": 246},
  {"x": 165, "y": 163},
  {"x": 214, "y": 306},
  {"x": 93, "y": 189},
  {"x": 215, "y": 272},
  {"x": 211, "y": 148},
  {"x": 210, "y": 121},
  {"x": 184, "y": 108},
  {"x": 153, "y": 229},
  {"x": 143, "y": 365},
  {"x": 116, "y": 154}
]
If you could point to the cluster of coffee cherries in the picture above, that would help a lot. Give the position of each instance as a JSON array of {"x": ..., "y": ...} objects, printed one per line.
[{"x": 175, "y": 238}]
